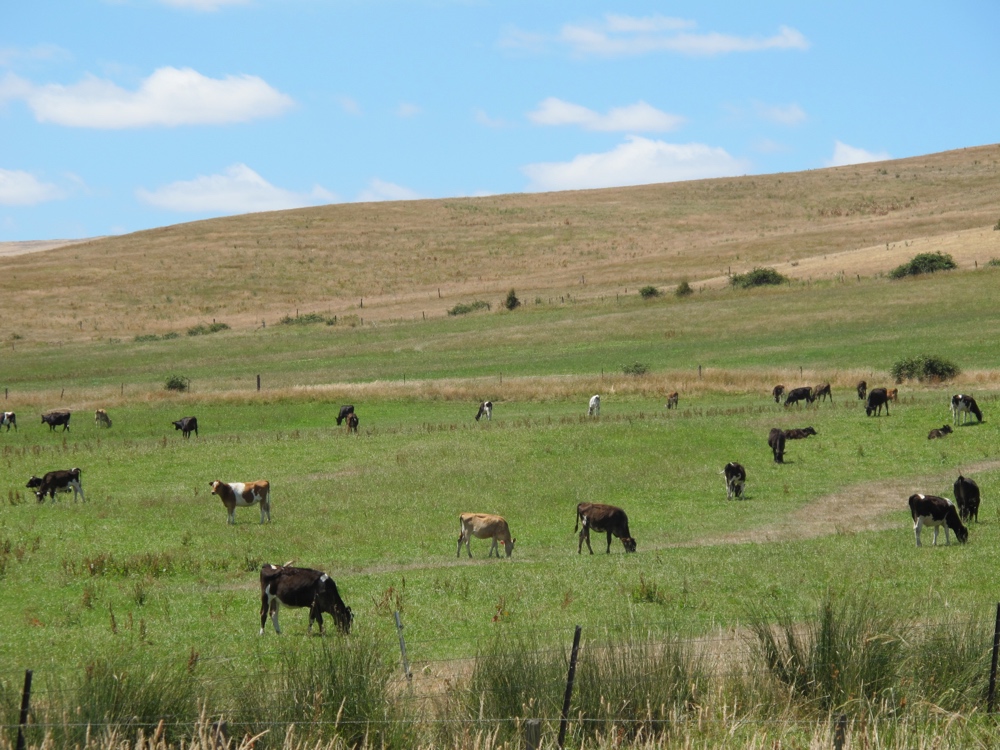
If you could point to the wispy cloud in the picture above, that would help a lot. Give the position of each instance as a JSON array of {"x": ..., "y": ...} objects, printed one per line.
[
  {"x": 19, "y": 188},
  {"x": 634, "y": 118},
  {"x": 202, "y": 5},
  {"x": 349, "y": 105},
  {"x": 637, "y": 161},
  {"x": 237, "y": 190},
  {"x": 168, "y": 98},
  {"x": 844, "y": 155},
  {"x": 780, "y": 114},
  {"x": 380, "y": 190},
  {"x": 485, "y": 120},
  {"x": 39, "y": 53},
  {"x": 407, "y": 110}
]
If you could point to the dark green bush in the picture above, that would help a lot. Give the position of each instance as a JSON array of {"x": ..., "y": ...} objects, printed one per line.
[
  {"x": 203, "y": 330},
  {"x": 463, "y": 308},
  {"x": 684, "y": 289},
  {"x": 993, "y": 262},
  {"x": 923, "y": 263},
  {"x": 307, "y": 319},
  {"x": 757, "y": 277},
  {"x": 177, "y": 383},
  {"x": 648, "y": 292},
  {"x": 512, "y": 302},
  {"x": 924, "y": 367},
  {"x": 636, "y": 368}
]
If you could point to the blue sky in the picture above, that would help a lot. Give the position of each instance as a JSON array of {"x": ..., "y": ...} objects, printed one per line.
[{"x": 120, "y": 115}]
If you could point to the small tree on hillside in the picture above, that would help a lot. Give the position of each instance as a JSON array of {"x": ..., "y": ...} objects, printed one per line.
[
  {"x": 512, "y": 302},
  {"x": 924, "y": 263}
]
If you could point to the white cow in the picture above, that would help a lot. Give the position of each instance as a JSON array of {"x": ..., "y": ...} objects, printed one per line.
[
  {"x": 484, "y": 526},
  {"x": 594, "y": 409},
  {"x": 485, "y": 410},
  {"x": 9, "y": 418}
]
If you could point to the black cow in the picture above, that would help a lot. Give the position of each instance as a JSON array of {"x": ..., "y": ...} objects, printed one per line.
[
  {"x": 931, "y": 510},
  {"x": 9, "y": 418},
  {"x": 939, "y": 432},
  {"x": 798, "y": 394},
  {"x": 877, "y": 398},
  {"x": 967, "y": 498},
  {"x": 776, "y": 439},
  {"x": 485, "y": 410},
  {"x": 301, "y": 587},
  {"x": 344, "y": 411},
  {"x": 187, "y": 425},
  {"x": 962, "y": 406},
  {"x": 862, "y": 390},
  {"x": 600, "y": 517},
  {"x": 799, "y": 434},
  {"x": 736, "y": 477},
  {"x": 61, "y": 480},
  {"x": 820, "y": 392},
  {"x": 55, "y": 418},
  {"x": 778, "y": 392}
]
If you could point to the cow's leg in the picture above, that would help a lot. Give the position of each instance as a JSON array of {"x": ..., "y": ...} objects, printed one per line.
[
  {"x": 609, "y": 542},
  {"x": 947, "y": 537},
  {"x": 231, "y": 515},
  {"x": 493, "y": 549},
  {"x": 584, "y": 537},
  {"x": 265, "y": 507},
  {"x": 936, "y": 529},
  {"x": 916, "y": 529},
  {"x": 315, "y": 613},
  {"x": 264, "y": 602},
  {"x": 273, "y": 604},
  {"x": 459, "y": 552}
]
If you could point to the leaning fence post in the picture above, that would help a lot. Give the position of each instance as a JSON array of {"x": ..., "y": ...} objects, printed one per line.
[
  {"x": 402, "y": 647},
  {"x": 25, "y": 703},
  {"x": 840, "y": 733},
  {"x": 993, "y": 667},
  {"x": 564, "y": 720}
]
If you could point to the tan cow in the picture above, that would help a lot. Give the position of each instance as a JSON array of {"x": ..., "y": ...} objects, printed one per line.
[
  {"x": 101, "y": 418},
  {"x": 484, "y": 526},
  {"x": 243, "y": 495},
  {"x": 672, "y": 400}
]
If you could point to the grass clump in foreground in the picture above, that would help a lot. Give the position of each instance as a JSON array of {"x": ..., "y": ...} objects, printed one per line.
[
  {"x": 924, "y": 368},
  {"x": 924, "y": 263},
  {"x": 757, "y": 277}
]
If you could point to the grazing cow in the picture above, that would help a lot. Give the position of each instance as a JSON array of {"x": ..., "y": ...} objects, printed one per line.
[
  {"x": 485, "y": 410},
  {"x": 877, "y": 398},
  {"x": 55, "y": 418},
  {"x": 736, "y": 478},
  {"x": 301, "y": 587},
  {"x": 101, "y": 418},
  {"x": 187, "y": 425},
  {"x": 962, "y": 406},
  {"x": 862, "y": 390},
  {"x": 798, "y": 394},
  {"x": 778, "y": 392},
  {"x": 600, "y": 517},
  {"x": 940, "y": 432},
  {"x": 484, "y": 526},
  {"x": 594, "y": 408},
  {"x": 9, "y": 418},
  {"x": 352, "y": 423},
  {"x": 62, "y": 480},
  {"x": 820, "y": 392},
  {"x": 776, "y": 439},
  {"x": 930, "y": 510},
  {"x": 799, "y": 434},
  {"x": 967, "y": 498},
  {"x": 243, "y": 495},
  {"x": 672, "y": 400},
  {"x": 344, "y": 411},
  {"x": 892, "y": 394}
]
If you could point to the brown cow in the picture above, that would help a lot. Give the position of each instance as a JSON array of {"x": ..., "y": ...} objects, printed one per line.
[
  {"x": 892, "y": 394},
  {"x": 862, "y": 389},
  {"x": 799, "y": 434},
  {"x": 352, "y": 423},
  {"x": 672, "y": 400},
  {"x": 778, "y": 392},
  {"x": 820, "y": 392},
  {"x": 600, "y": 517},
  {"x": 484, "y": 526},
  {"x": 101, "y": 418},
  {"x": 243, "y": 495}
]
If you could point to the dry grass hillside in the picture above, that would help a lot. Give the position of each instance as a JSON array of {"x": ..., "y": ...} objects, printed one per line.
[{"x": 415, "y": 258}]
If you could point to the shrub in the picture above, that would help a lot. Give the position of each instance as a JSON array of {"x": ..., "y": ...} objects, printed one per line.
[
  {"x": 177, "y": 383},
  {"x": 463, "y": 308},
  {"x": 757, "y": 277},
  {"x": 307, "y": 319},
  {"x": 203, "y": 330},
  {"x": 636, "y": 368},
  {"x": 684, "y": 289},
  {"x": 648, "y": 292},
  {"x": 512, "y": 302},
  {"x": 924, "y": 263},
  {"x": 993, "y": 262},
  {"x": 924, "y": 367},
  {"x": 996, "y": 227}
]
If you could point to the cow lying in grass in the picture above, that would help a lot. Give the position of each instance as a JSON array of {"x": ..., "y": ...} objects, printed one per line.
[
  {"x": 801, "y": 434},
  {"x": 301, "y": 587},
  {"x": 484, "y": 526},
  {"x": 606, "y": 518},
  {"x": 243, "y": 495},
  {"x": 940, "y": 432},
  {"x": 931, "y": 510}
]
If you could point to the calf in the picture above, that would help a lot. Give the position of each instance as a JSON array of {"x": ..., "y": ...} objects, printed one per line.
[
  {"x": 820, "y": 392},
  {"x": 485, "y": 410},
  {"x": 243, "y": 495},
  {"x": 799, "y": 394},
  {"x": 9, "y": 418},
  {"x": 799, "y": 434},
  {"x": 344, "y": 411},
  {"x": 55, "y": 418},
  {"x": 101, "y": 418},
  {"x": 939, "y": 433},
  {"x": 606, "y": 518},
  {"x": 594, "y": 408},
  {"x": 187, "y": 425},
  {"x": 862, "y": 390},
  {"x": 352, "y": 423},
  {"x": 962, "y": 406},
  {"x": 892, "y": 394},
  {"x": 736, "y": 477},
  {"x": 301, "y": 587},
  {"x": 776, "y": 439},
  {"x": 967, "y": 498},
  {"x": 484, "y": 526},
  {"x": 62, "y": 480},
  {"x": 877, "y": 398},
  {"x": 778, "y": 391},
  {"x": 930, "y": 510},
  {"x": 672, "y": 400}
]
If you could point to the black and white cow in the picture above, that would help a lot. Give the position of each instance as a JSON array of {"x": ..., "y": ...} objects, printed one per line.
[
  {"x": 602, "y": 518},
  {"x": 778, "y": 391},
  {"x": 594, "y": 407},
  {"x": 187, "y": 425},
  {"x": 799, "y": 434},
  {"x": 9, "y": 418},
  {"x": 776, "y": 440},
  {"x": 931, "y": 510},
  {"x": 805, "y": 393},
  {"x": 61, "y": 480},
  {"x": 344, "y": 411},
  {"x": 862, "y": 390},
  {"x": 301, "y": 587},
  {"x": 55, "y": 418},
  {"x": 736, "y": 477},
  {"x": 967, "y": 498},
  {"x": 940, "y": 432},
  {"x": 962, "y": 406},
  {"x": 485, "y": 410},
  {"x": 877, "y": 398}
]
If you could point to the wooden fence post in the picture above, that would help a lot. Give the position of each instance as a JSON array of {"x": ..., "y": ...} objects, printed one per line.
[
  {"x": 402, "y": 647},
  {"x": 991, "y": 698},
  {"x": 25, "y": 704},
  {"x": 532, "y": 734},
  {"x": 840, "y": 733},
  {"x": 564, "y": 719},
  {"x": 258, "y": 382}
]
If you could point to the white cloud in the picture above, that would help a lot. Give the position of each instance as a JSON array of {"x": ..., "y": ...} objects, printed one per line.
[
  {"x": 633, "y": 118},
  {"x": 13, "y": 87},
  {"x": 19, "y": 188},
  {"x": 39, "y": 53},
  {"x": 202, "y": 5},
  {"x": 843, "y": 155},
  {"x": 789, "y": 114},
  {"x": 637, "y": 161},
  {"x": 490, "y": 122},
  {"x": 349, "y": 105},
  {"x": 237, "y": 190},
  {"x": 406, "y": 110},
  {"x": 169, "y": 97},
  {"x": 379, "y": 190}
]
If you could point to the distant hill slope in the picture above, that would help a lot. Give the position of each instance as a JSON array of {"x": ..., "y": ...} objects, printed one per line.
[{"x": 398, "y": 260}]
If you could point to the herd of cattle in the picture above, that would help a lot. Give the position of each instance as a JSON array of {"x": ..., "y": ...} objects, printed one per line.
[{"x": 305, "y": 587}]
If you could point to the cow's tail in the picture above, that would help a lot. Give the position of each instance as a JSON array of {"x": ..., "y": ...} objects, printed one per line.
[{"x": 576, "y": 526}]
